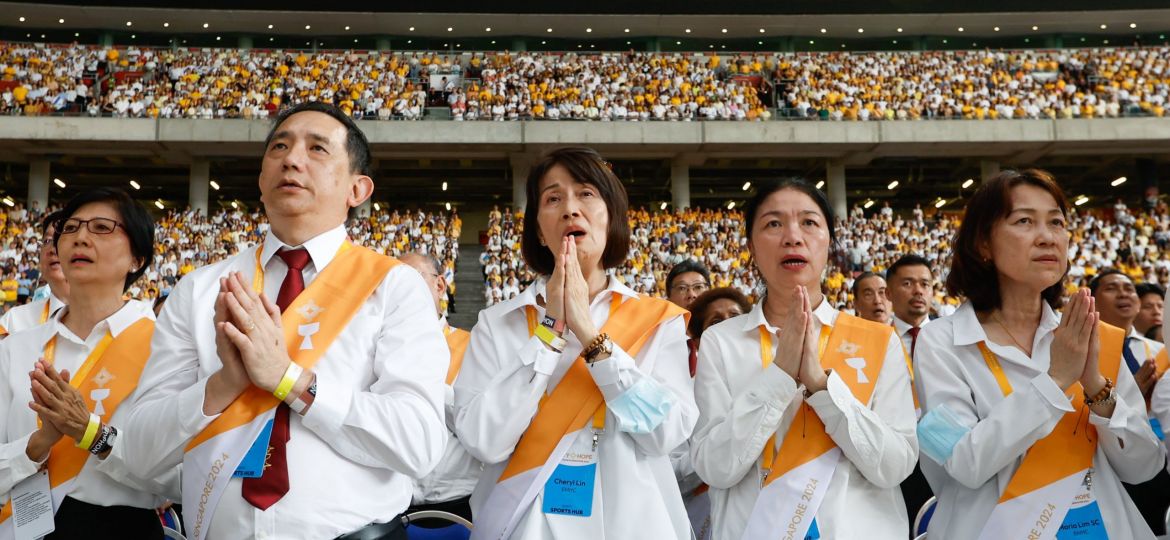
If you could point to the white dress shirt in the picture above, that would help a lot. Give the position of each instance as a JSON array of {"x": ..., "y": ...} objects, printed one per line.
[
  {"x": 29, "y": 315},
  {"x": 902, "y": 328},
  {"x": 951, "y": 371},
  {"x": 742, "y": 404},
  {"x": 1142, "y": 347},
  {"x": 505, "y": 373},
  {"x": 377, "y": 419},
  {"x": 95, "y": 484},
  {"x": 458, "y": 471}
]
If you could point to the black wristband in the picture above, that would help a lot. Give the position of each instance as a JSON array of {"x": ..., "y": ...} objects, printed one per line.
[{"x": 102, "y": 444}]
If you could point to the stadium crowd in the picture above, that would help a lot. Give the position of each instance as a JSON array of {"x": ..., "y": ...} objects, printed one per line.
[
  {"x": 185, "y": 240},
  {"x": 236, "y": 83},
  {"x": 1117, "y": 237}
]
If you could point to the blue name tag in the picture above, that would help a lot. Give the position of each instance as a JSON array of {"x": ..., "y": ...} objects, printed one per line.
[
  {"x": 1154, "y": 423},
  {"x": 252, "y": 465},
  {"x": 569, "y": 491},
  {"x": 814, "y": 532},
  {"x": 1083, "y": 523}
]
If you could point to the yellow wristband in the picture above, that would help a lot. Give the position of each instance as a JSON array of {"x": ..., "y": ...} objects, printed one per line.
[
  {"x": 558, "y": 343},
  {"x": 91, "y": 430},
  {"x": 286, "y": 383}
]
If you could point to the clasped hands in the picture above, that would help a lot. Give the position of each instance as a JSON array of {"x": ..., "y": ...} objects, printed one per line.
[
  {"x": 1076, "y": 346},
  {"x": 797, "y": 352},
  {"x": 567, "y": 293}
]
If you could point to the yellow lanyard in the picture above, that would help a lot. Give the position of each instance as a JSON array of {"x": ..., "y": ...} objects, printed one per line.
[
  {"x": 599, "y": 415},
  {"x": 45, "y": 312},
  {"x": 766, "y": 356},
  {"x": 258, "y": 277},
  {"x": 996, "y": 370}
]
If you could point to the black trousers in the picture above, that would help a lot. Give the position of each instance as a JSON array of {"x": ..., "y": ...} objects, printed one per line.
[
  {"x": 915, "y": 491},
  {"x": 459, "y": 507},
  {"x": 79, "y": 520},
  {"x": 1150, "y": 499}
]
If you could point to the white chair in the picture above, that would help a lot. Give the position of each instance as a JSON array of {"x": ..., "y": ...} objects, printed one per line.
[
  {"x": 923, "y": 518},
  {"x": 171, "y": 534},
  {"x": 920, "y": 537},
  {"x": 458, "y": 528}
]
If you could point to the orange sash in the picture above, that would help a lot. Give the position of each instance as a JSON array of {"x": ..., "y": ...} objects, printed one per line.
[
  {"x": 343, "y": 286},
  {"x": 457, "y": 340},
  {"x": 851, "y": 337},
  {"x": 1070, "y": 446},
  {"x": 117, "y": 368},
  {"x": 1161, "y": 362},
  {"x": 576, "y": 398}
]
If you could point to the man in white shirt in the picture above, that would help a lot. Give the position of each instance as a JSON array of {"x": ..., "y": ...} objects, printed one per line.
[
  {"x": 1118, "y": 304},
  {"x": 910, "y": 287},
  {"x": 448, "y": 488},
  {"x": 869, "y": 298},
  {"x": 1149, "y": 318},
  {"x": 339, "y": 460},
  {"x": 38, "y": 311}
]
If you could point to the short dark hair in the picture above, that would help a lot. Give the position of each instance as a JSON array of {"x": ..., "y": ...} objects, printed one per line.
[
  {"x": 1096, "y": 281},
  {"x": 586, "y": 166},
  {"x": 704, "y": 301},
  {"x": 136, "y": 221},
  {"x": 970, "y": 275},
  {"x": 52, "y": 218},
  {"x": 1150, "y": 288},
  {"x": 688, "y": 265},
  {"x": 1154, "y": 332},
  {"x": 356, "y": 144},
  {"x": 909, "y": 259},
  {"x": 857, "y": 281}
]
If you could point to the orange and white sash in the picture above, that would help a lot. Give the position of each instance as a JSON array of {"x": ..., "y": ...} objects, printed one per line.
[
  {"x": 797, "y": 477},
  {"x": 457, "y": 340},
  {"x": 561, "y": 416},
  {"x": 1161, "y": 362},
  {"x": 108, "y": 376},
  {"x": 1043, "y": 488},
  {"x": 311, "y": 323}
]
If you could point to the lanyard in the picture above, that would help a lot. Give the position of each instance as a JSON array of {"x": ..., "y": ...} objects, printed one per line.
[
  {"x": 996, "y": 370},
  {"x": 82, "y": 372},
  {"x": 766, "y": 356},
  {"x": 45, "y": 312},
  {"x": 599, "y": 415}
]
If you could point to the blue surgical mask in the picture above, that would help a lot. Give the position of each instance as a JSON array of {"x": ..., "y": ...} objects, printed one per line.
[
  {"x": 642, "y": 407},
  {"x": 938, "y": 433}
]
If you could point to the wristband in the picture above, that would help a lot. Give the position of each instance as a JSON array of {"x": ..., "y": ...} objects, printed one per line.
[
  {"x": 300, "y": 404},
  {"x": 553, "y": 324},
  {"x": 286, "y": 383},
  {"x": 105, "y": 441},
  {"x": 91, "y": 430},
  {"x": 554, "y": 341}
]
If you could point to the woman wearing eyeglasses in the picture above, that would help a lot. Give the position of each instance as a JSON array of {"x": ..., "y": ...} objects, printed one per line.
[{"x": 63, "y": 381}]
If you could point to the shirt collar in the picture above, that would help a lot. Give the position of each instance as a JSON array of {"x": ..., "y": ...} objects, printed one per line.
[
  {"x": 55, "y": 304},
  {"x": 824, "y": 312},
  {"x": 968, "y": 330},
  {"x": 322, "y": 248},
  {"x": 128, "y": 314},
  {"x": 901, "y": 326}
]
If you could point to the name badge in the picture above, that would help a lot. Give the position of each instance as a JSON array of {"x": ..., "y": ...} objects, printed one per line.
[
  {"x": 569, "y": 491},
  {"x": 1083, "y": 521},
  {"x": 252, "y": 465}
]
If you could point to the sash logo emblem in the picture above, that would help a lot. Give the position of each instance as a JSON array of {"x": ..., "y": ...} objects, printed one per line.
[{"x": 102, "y": 378}]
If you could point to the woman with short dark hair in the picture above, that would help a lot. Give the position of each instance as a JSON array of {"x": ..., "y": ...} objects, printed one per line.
[
  {"x": 63, "y": 381},
  {"x": 807, "y": 418},
  {"x": 572, "y": 392},
  {"x": 1031, "y": 423}
]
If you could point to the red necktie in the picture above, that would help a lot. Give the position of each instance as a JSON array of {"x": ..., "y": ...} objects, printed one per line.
[
  {"x": 913, "y": 339},
  {"x": 263, "y": 492},
  {"x": 693, "y": 360}
]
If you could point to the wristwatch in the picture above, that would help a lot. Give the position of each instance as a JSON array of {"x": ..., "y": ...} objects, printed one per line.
[{"x": 601, "y": 345}]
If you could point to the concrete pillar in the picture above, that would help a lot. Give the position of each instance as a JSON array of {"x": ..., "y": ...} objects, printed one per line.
[
  {"x": 680, "y": 183},
  {"x": 245, "y": 42},
  {"x": 521, "y": 166},
  {"x": 38, "y": 183},
  {"x": 988, "y": 168},
  {"x": 197, "y": 185},
  {"x": 835, "y": 178}
]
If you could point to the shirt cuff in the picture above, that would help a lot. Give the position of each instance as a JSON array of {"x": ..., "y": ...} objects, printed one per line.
[
  {"x": 834, "y": 399},
  {"x": 542, "y": 359},
  {"x": 1050, "y": 391},
  {"x": 21, "y": 466},
  {"x": 191, "y": 417},
  {"x": 1116, "y": 423},
  {"x": 773, "y": 386},
  {"x": 607, "y": 373},
  {"x": 329, "y": 408}
]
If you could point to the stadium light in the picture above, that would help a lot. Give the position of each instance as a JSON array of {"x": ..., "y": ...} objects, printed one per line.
[
  {"x": 731, "y": 205},
  {"x": 168, "y": 25},
  {"x": 762, "y": 30},
  {"x": 688, "y": 30},
  {"x": 377, "y": 207},
  {"x": 626, "y": 30},
  {"x": 549, "y": 30},
  {"x": 996, "y": 29},
  {"x": 960, "y": 28},
  {"x": 22, "y": 19},
  {"x": 968, "y": 183},
  {"x": 411, "y": 29},
  {"x": 941, "y": 203},
  {"x": 1114, "y": 183},
  {"x": 214, "y": 185},
  {"x": 1133, "y": 25},
  {"x": 1104, "y": 26},
  {"x": 488, "y": 29},
  {"x": 823, "y": 30},
  {"x": 1081, "y": 200},
  {"x": 868, "y": 204},
  {"x": 892, "y": 185},
  {"x": 860, "y": 30},
  {"x": 747, "y": 186},
  {"x": 899, "y": 30},
  {"x": 444, "y": 186},
  {"x": 662, "y": 206},
  {"x": 270, "y": 27},
  {"x": 129, "y": 23},
  {"x": 1035, "y": 28},
  {"x": 347, "y": 28},
  {"x": 9, "y": 201},
  {"x": 308, "y": 26},
  {"x": 821, "y": 184},
  {"x": 59, "y": 183},
  {"x": 450, "y": 29},
  {"x": 159, "y": 204},
  {"x": 724, "y": 30},
  {"x": 235, "y": 206},
  {"x": 205, "y": 25},
  {"x": 588, "y": 30},
  {"x": 134, "y": 184},
  {"x": 448, "y": 207},
  {"x": 60, "y": 21}
]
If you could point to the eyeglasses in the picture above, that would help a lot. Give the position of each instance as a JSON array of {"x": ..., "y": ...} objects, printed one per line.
[
  {"x": 697, "y": 288},
  {"x": 95, "y": 225}
]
